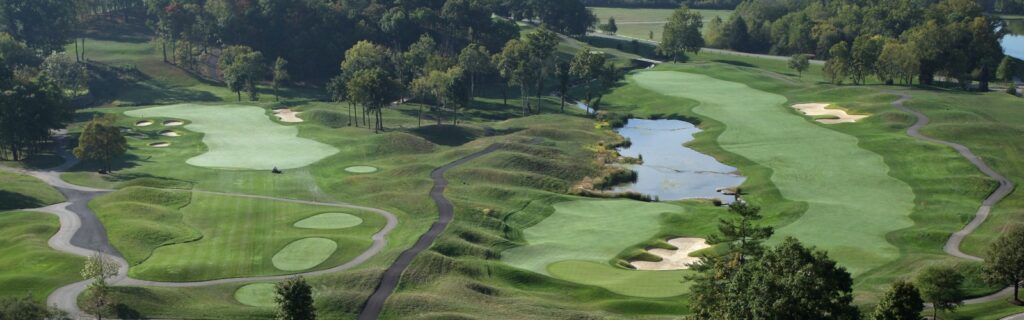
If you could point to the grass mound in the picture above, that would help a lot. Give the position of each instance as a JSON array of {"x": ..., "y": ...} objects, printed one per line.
[
  {"x": 824, "y": 168},
  {"x": 257, "y": 295},
  {"x": 141, "y": 219},
  {"x": 327, "y": 118},
  {"x": 19, "y": 191},
  {"x": 228, "y": 136},
  {"x": 331, "y": 220},
  {"x": 28, "y": 266},
  {"x": 304, "y": 254}
]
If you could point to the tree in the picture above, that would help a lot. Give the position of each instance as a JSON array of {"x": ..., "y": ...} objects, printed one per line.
[
  {"x": 281, "y": 76},
  {"x": 564, "y": 76},
  {"x": 26, "y": 308},
  {"x": 897, "y": 61},
  {"x": 242, "y": 68},
  {"x": 838, "y": 68},
  {"x": 901, "y": 302},
  {"x": 44, "y": 25},
  {"x": 294, "y": 300},
  {"x": 682, "y": 34},
  {"x": 440, "y": 86},
  {"x": 587, "y": 66},
  {"x": 99, "y": 268},
  {"x": 942, "y": 286},
  {"x": 737, "y": 34},
  {"x": 541, "y": 46},
  {"x": 69, "y": 76},
  {"x": 15, "y": 53},
  {"x": 740, "y": 234},
  {"x": 373, "y": 89},
  {"x": 864, "y": 55},
  {"x": 513, "y": 63},
  {"x": 611, "y": 27},
  {"x": 812, "y": 287},
  {"x": 1004, "y": 264},
  {"x": 799, "y": 63},
  {"x": 475, "y": 60},
  {"x": 101, "y": 140},
  {"x": 29, "y": 112}
]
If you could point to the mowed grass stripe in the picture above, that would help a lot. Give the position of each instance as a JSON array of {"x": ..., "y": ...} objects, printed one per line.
[{"x": 852, "y": 201}]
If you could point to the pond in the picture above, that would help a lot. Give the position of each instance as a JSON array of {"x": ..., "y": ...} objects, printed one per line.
[
  {"x": 670, "y": 170},
  {"x": 1013, "y": 43}
]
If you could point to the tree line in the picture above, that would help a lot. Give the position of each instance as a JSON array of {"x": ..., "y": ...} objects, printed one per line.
[{"x": 665, "y": 4}]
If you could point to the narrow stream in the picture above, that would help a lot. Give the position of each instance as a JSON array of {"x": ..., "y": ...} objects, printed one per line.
[{"x": 670, "y": 170}]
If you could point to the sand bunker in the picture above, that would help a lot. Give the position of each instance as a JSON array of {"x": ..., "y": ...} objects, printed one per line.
[
  {"x": 834, "y": 116},
  {"x": 678, "y": 259},
  {"x": 160, "y": 144},
  {"x": 173, "y": 123},
  {"x": 144, "y": 123},
  {"x": 287, "y": 115},
  {"x": 169, "y": 133},
  {"x": 361, "y": 169}
]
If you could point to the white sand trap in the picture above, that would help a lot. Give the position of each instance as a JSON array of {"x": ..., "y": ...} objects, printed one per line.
[
  {"x": 361, "y": 169},
  {"x": 160, "y": 144},
  {"x": 173, "y": 123},
  {"x": 820, "y": 109},
  {"x": 144, "y": 123},
  {"x": 678, "y": 259},
  {"x": 170, "y": 133},
  {"x": 287, "y": 115}
]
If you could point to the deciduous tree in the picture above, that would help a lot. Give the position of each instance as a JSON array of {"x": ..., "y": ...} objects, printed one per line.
[
  {"x": 901, "y": 302},
  {"x": 682, "y": 34},
  {"x": 281, "y": 76},
  {"x": 1004, "y": 264},
  {"x": 799, "y": 63},
  {"x": 294, "y": 299},
  {"x": 102, "y": 141},
  {"x": 942, "y": 286}
]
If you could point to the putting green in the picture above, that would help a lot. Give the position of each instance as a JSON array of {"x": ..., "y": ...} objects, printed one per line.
[
  {"x": 592, "y": 232},
  {"x": 256, "y": 295},
  {"x": 853, "y": 203},
  {"x": 332, "y": 220},
  {"x": 361, "y": 169},
  {"x": 646, "y": 284},
  {"x": 229, "y": 136},
  {"x": 304, "y": 254}
]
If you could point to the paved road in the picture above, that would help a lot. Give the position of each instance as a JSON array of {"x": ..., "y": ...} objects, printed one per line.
[
  {"x": 1006, "y": 186},
  {"x": 446, "y": 212},
  {"x": 81, "y": 233}
]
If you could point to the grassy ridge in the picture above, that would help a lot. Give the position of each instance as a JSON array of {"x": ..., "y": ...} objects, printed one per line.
[
  {"x": 20, "y": 191},
  {"x": 28, "y": 266}
]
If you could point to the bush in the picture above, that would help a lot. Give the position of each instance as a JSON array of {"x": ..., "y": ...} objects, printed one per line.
[{"x": 1012, "y": 90}]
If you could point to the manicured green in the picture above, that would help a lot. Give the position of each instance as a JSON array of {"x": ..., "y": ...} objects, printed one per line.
[
  {"x": 231, "y": 140},
  {"x": 257, "y": 295},
  {"x": 812, "y": 164},
  {"x": 304, "y": 254},
  {"x": 19, "y": 191},
  {"x": 639, "y": 22},
  {"x": 361, "y": 169},
  {"x": 330, "y": 220},
  {"x": 28, "y": 266},
  {"x": 646, "y": 284}
]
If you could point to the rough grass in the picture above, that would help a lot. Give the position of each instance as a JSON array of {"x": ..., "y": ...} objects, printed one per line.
[
  {"x": 19, "y": 191},
  {"x": 231, "y": 144},
  {"x": 28, "y": 266}
]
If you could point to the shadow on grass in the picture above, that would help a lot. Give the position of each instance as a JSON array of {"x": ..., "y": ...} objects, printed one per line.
[{"x": 12, "y": 201}]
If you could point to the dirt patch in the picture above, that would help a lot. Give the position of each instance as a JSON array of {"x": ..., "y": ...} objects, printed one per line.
[
  {"x": 170, "y": 133},
  {"x": 678, "y": 259},
  {"x": 160, "y": 144},
  {"x": 173, "y": 123},
  {"x": 287, "y": 115},
  {"x": 144, "y": 123},
  {"x": 831, "y": 116}
]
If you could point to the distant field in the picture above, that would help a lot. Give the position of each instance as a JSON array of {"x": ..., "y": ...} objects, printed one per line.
[{"x": 638, "y": 23}]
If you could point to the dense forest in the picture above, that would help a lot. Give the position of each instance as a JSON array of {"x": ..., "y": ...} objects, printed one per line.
[{"x": 666, "y": 4}]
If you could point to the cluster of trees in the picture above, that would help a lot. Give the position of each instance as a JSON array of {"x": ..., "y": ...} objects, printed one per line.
[
  {"x": 32, "y": 100},
  {"x": 671, "y": 4},
  {"x": 306, "y": 33},
  {"x": 894, "y": 40}
]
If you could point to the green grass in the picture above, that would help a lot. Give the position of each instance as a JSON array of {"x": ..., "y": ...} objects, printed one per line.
[
  {"x": 304, "y": 254},
  {"x": 28, "y": 266},
  {"x": 331, "y": 220},
  {"x": 19, "y": 191},
  {"x": 257, "y": 295},
  {"x": 645, "y": 284},
  {"x": 228, "y": 135},
  {"x": 639, "y": 22}
]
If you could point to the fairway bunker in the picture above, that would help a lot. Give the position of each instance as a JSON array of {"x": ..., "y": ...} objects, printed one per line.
[
  {"x": 678, "y": 259},
  {"x": 304, "y": 254},
  {"x": 169, "y": 133},
  {"x": 361, "y": 169},
  {"x": 173, "y": 123},
  {"x": 331, "y": 220},
  {"x": 287, "y": 115},
  {"x": 256, "y": 295},
  {"x": 144, "y": 123},
  {"x": 160, "y": 144},
  {"x": 830, "y": 116}
]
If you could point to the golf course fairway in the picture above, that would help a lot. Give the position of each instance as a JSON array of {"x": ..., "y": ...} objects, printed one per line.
[
  {"x": 230, "y": 140},
  {"x": 824, "y": 168},
  {"x": 579, "y": 239}
]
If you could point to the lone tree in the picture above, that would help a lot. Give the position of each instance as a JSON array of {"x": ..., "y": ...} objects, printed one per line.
[
  {"x": 611, "y": 27},
  {"x": 101, "y": 141},
  {"x": 682, "y": 34},
  {"x": 99, "y": 268},
  {"x": 1004, "y": 264},
  {"x": 281, "y": 76},
  {"x": 942, "y": 286},
  {"x": 901, "y": 302},
  {"x": 740, "y": 233},
  {"x": 294, "y": 300},
  {"x": 799, "y": 63}
]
